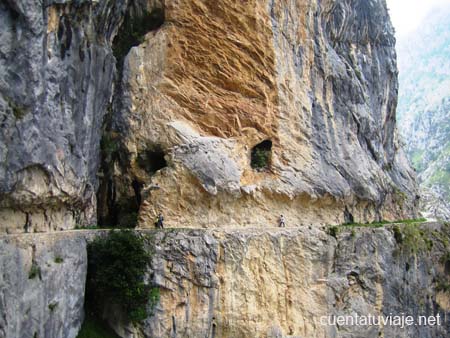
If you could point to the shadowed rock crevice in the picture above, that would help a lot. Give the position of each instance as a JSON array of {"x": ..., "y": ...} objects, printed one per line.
[
  {"x": 152, "y": 160},
  {"x": 64, "y": 35},
  {"x": 447, "y": 266},
  {"x": 119, "y": 196},
  {"x": 348, "y": 217},
  {"x": 138, "y": 22}
]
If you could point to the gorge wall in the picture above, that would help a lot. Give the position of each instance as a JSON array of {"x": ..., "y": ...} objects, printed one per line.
[
  {"x": 196, "y": 87},
  {"x": 56, "y": 68},
  {"x": 113, "y": 111},
  {"x": 274, "y": 283},
  {"x": 42, "y": 283},
  {"x": 279, "y": 283},
  {"x": 317, "y": 80}
]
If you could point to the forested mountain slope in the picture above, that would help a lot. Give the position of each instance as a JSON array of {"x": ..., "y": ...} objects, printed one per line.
[{"x": 424, "y": 100}]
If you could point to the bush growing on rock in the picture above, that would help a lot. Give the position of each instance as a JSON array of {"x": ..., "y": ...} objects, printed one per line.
[
  {"x": 260, "y": 159},
  {"x": 333, "y": 231},
  {"x": 261, "y": 155},
  {"x": 116, "y": 267},
  {"x": 35, "y": 271}
]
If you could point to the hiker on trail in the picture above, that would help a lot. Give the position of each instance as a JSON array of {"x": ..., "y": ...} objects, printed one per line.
[
  {"x": 282, "y": 222},
  {"x": 159, "y": 221}
]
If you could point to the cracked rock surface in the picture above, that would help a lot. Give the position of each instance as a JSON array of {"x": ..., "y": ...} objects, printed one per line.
[{"x": 239, "y": 283}]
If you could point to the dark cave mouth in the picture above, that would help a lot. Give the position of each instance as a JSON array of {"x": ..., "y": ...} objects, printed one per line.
[
  {"x": 261, "y": 156},
  {"x": 152, "y": 160}
]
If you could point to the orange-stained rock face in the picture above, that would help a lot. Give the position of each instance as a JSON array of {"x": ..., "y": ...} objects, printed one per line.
[
  {"x": 220, "y": 66},
  {"x": 217, "y": 78}
]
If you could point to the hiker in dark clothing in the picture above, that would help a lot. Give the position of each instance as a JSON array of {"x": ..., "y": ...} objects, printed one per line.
[{"x": 159, "y": 221}]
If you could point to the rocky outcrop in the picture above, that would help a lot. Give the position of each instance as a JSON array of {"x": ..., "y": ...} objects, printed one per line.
[
  {"x": 42, "y": 283},
  {"x": 434, "y": 206},
  {"x": 382, "y": 272},
  {"x": 198, "y": 85},
  {"x": 57, "y": 71},
  {"x": 240, "y": 283},
  {"x": 225, "y": 114},
  {"x": 318, "y": 81},
  {"x": 286, "y": 282}
]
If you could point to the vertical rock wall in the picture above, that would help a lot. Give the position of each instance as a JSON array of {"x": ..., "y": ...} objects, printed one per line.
[
  {"x": 199, "y": 84},
  {"x": 239, "y": 283},
  {"x": 57, "y": 72},
  {"x": 316, "y": 79},
  {"x": 285, "y": 283},
  {"x": 42, "y": 283}
]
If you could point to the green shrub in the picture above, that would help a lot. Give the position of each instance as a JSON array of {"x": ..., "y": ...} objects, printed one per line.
[
  {"x": 116, "y": 267},
  {"x": 443, "y": 286},
  {"x": 445, "y": 258},
  {"x": 35, "y": 271},
  {"x": 411, "y": 221},
  {"x": 366, "y": 225},
  {"x": 383, "y": 223},
  {"x": 333, "y": 231},
  {"x": 19, "y": 112},
  {"x": 154, "y": 298},
  {"x": 52, "y": 306},
  {"x": 59, "y": 260},
  {"x": 428, "y": 243},
  {"x": 260, "y": 158},
  {"x": 414, "y": 239}
]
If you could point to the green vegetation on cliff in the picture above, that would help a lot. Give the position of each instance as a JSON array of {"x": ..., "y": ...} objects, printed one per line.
[
  {"x": 334, "y": 229},
  {"x": 117, "y": 265}
]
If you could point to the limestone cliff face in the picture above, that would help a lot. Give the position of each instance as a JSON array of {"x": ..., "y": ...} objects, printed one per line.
[
  {"x": 197, "y": 85},
  {"x": 149, "y": 105},
  {"x": 244, "y": 283},
  {"x": 42, "y": 285},
  {"x": 57, "y": 70},
  {"x": 279, "y": 283},
  {"x": 316, "y": 79}
]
